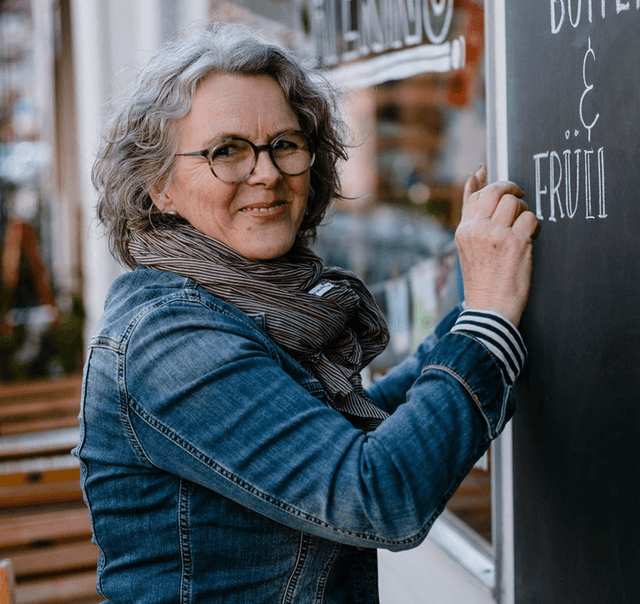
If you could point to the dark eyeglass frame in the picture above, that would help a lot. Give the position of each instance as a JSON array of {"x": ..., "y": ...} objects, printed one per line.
[{"x": 209, "y": 153}]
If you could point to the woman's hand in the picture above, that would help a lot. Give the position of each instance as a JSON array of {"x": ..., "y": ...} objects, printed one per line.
[{"x": 495, "y": 241}]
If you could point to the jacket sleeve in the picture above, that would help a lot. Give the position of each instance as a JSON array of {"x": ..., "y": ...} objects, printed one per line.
[
  {"x": 390, "y": 391},
  {"x": 494, "y": 331},
  {"x": 208, "y": 399}
]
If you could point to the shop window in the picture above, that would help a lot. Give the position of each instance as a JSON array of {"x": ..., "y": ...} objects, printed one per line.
[{"x": 417, "y": 139}]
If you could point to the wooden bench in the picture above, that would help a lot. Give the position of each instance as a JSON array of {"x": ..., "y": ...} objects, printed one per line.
[
  {"x": 44, "y": 525},
  {"x": 27, "y": 407},
  {"x": 39, "y": 480},
  {"x": 51, "y": 552}
]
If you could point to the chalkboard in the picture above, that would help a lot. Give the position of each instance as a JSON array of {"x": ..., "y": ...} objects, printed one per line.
[{"x": 573, "y": 106}]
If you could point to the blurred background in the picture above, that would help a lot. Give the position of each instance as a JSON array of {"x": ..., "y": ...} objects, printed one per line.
[{"x": 418, "y": 124}]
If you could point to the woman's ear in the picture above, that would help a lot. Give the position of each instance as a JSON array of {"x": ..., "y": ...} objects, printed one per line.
[{"x": 161, "y": 200}]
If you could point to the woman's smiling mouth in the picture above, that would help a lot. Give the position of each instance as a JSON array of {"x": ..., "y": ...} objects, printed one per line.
[{"x": 264, "y": 209}]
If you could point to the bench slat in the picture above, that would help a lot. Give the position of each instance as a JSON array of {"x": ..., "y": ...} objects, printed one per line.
[
  {"x": 38, "y": 444},
  {"x": 51, "y": 388},
  {"x": 62, "y": 558},
  {"x": 43, "y": 523},
  {"x": 38, "y": 424},
  {"x": 39, "y": 480},
  {"x": 66, "y": 588}
]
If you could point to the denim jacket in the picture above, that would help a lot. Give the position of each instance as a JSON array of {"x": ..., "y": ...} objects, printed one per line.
[{"x": 214, "y": 470}]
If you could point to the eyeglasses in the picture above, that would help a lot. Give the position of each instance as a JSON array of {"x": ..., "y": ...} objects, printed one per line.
[{"x": 234, "y": 159}]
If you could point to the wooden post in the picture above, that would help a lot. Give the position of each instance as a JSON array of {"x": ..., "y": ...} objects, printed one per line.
[{"x": 7, "y": 583}]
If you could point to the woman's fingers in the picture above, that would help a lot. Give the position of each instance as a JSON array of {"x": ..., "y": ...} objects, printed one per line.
[
  {"x": 475, "y": 182},
  {"x": 507, "y": 211},
  {"x": 526, "y": 224},
  {"x": 494, "y": 244},
  {"x": 483, "y": 203}
]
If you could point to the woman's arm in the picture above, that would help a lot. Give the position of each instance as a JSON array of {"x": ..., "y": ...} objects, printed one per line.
[
  {"x": 208, "y": 400},
  {"x": 494, "y": 241},
  {"x": 390, "y": 391}
]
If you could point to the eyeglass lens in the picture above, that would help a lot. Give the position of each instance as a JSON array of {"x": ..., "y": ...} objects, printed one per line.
[{"x": 234, "y": 159}]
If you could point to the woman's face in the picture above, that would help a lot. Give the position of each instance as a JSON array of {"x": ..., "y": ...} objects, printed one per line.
[{"x": 260, "y": 217}]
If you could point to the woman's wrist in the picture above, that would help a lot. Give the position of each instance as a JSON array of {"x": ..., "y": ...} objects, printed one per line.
[{"x": 499, "y": 334}]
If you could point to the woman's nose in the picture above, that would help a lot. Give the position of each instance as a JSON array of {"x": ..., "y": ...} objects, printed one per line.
[{"x": 265, "y": 172}]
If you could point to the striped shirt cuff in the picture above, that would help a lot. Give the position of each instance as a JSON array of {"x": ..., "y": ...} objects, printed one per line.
[{"x": 499, "y": 335}]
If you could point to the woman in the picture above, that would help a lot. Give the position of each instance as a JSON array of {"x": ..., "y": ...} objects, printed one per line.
[{"x": 229, "y": 452}]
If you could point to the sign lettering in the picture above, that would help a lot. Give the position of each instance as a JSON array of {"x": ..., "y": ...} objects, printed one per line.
[{"x": 346, "y": 30}]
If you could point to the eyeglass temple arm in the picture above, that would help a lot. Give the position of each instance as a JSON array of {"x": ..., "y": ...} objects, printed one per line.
[{"x": 202, "y": 153}]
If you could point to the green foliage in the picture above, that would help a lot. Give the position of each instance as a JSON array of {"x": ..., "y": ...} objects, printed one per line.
[{"x": 60, "y": 352}]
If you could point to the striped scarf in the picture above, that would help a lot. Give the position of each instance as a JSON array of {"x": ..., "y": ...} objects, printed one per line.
[{"x": 325, "y": 318}]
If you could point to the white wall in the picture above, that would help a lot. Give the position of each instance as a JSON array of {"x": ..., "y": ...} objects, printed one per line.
[{"x": 110, "y": 39}]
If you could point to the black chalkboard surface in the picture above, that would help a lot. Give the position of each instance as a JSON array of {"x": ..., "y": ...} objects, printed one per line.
[{"x": 573, "y": 104}]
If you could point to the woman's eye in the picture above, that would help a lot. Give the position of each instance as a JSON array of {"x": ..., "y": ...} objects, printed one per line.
[
  {"x": 229, "y": 152},
  {"x": 289, "y": 145},
  {"x": 284, "y": 144}
]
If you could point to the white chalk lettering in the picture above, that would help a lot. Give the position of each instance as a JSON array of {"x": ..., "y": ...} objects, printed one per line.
[
  {"x": 538, "y": 180},
  {"x": 587, "y": 88},
  {"x": 571, "y": 208},
  {"x": 554, "y": 185},
  {"x": 574, "y": 166},
  {"x": 587, "y": 182},
  {"x": 556, "y": 22},
  {"x": 574, "y": 10},
  {"x": 557, "y": 171},
  {"x": 575, "y": 22},
  {"x": 602, "y": 211}
]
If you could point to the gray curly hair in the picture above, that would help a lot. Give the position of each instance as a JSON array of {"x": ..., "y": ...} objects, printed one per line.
[{"x": 137, "y": 152}]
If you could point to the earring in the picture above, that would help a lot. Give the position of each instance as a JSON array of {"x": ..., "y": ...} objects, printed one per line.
[{"x": 172, "y": 213}]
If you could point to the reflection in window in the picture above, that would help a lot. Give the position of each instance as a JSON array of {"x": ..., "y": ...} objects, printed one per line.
[{"x": 416, "y": 140}]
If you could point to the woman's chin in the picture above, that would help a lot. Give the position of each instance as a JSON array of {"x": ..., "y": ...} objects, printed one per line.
[{"x": 264, "y": 246}]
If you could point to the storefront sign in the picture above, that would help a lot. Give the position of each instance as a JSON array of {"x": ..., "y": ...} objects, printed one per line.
[{"x": 345, "y": 30}]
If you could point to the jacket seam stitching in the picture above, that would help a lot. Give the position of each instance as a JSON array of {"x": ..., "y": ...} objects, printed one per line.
[
  {"x": 125, "y": 418},
  {"x": 484, "y": 346},
  {"x": 322, "y": 580},
  {"x": 467, "y": 387},
  {"x": 184, "y": 531},
  {"x": 102, "y": 558},
  {"x": 180, "y": 297},
  {"x": 258, "y": 493},
  {"x": 303, "y": 548}
]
